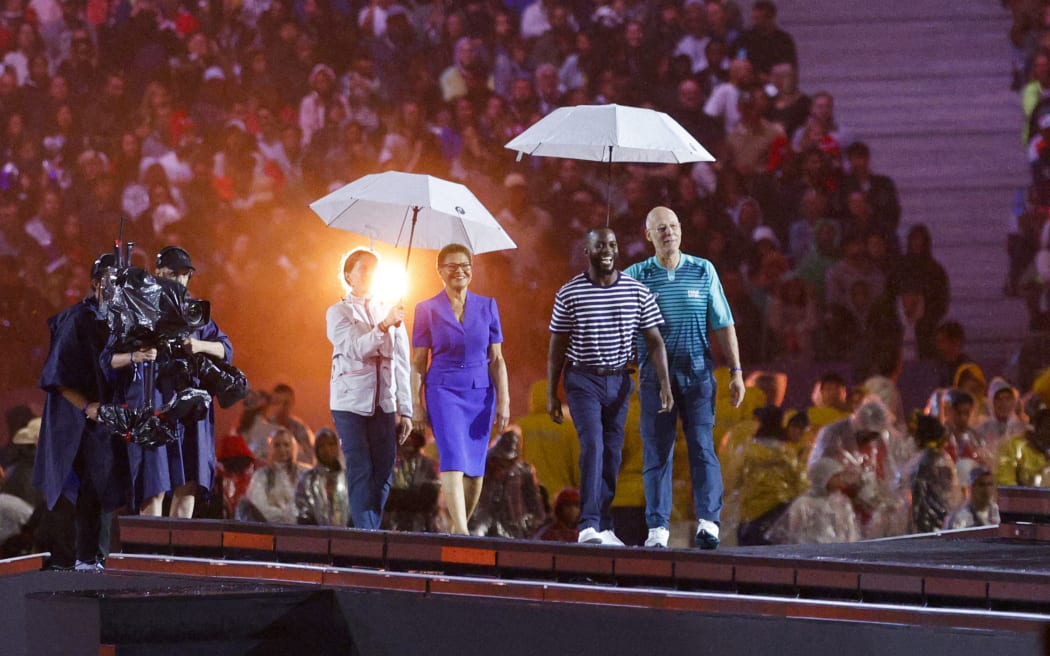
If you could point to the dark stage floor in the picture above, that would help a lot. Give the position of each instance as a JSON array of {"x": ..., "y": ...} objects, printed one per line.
[{"x": 207, "y": 587}]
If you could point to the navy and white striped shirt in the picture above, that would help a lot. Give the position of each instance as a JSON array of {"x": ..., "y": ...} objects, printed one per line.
[{"x": 602, "y": 321}]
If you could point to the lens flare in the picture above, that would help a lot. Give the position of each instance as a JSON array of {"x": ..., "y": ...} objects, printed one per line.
[{"x": 390, "y": 283}]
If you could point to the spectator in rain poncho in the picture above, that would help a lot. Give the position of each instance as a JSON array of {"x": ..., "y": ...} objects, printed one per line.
[
  {"x": 271, "y": 494},
  {"x": 890, "y": 517},
  {"x": 829, "y": 401},
  {"x": 824, "y": 514},
  {"x": 733, "y": 443},
  {"x": 963, "y": 445},
  {"x": 980, "y": 509},
  {"x": 900, "y": 445},
  {"x": 772, "y": 475},
  {"x": 510, "y": 504},
  {"x": 414, "y": 488},
  {"x": 1023, "y": 460},
  {"x": 321, "y": 498},
  {"x": 1003, "y": 422},
  {"x": 562, "y": 526},
  {"x": 862, "y": 444},
  {"x": 969, "y": 377},
  {"x": 934, "y": 485},
  {"x": 233, "y": 474},
  {"x": 840, "y": 440}
]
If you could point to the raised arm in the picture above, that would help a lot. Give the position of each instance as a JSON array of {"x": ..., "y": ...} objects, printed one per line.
[{"x": 357, "y": 338}]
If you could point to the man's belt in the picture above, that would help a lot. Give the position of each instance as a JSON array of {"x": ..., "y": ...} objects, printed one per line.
[{"x": 599, "y": 370}]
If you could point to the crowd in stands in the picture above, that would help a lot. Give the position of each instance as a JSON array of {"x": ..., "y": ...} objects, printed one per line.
[{"x": 211, "y": 125}]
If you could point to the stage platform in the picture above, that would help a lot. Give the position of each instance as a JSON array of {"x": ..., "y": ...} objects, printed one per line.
[{"x": 204, "y": 587}]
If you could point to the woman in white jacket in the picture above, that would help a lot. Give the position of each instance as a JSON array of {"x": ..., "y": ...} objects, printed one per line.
[
  {"x": 271, "y": 494},
  {"x": 370, "y": 398}
]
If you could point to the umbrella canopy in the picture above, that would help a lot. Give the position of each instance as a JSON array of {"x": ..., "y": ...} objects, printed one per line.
[
  {"x": 610, "y": 133},
  {"x": 411, "y": 209}
]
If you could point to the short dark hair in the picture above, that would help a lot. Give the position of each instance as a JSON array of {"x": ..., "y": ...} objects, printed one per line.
[
  {"x": 354, "y": 256},
  {"x": 282, "y": 388},
  {"x": 452, "y": 249}
]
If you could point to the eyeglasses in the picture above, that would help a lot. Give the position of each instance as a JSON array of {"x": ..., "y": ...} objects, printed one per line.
[
  {"x": 452, "y": 268},
  {"x": 671, "y": 227}
]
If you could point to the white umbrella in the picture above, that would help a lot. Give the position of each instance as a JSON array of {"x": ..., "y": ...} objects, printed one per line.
[
  {"x": 610, "y": 133},
  {"x": 406, "y": 209}
]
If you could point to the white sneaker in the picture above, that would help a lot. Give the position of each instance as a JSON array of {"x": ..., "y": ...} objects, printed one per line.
[
  {"x": 81, "y": 566},
  {"x": 706, "y": 534},
  {"x": 658, "y": 537},
  {"x": 609, "y": 538},
  {"x": 590, "y": 536}
]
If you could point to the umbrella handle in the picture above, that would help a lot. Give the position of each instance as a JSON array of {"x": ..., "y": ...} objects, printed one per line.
[
  {"x": 408, "y": 255},
  {"x": 608, "y": 191},
  {"x": 411, "y": 235}
]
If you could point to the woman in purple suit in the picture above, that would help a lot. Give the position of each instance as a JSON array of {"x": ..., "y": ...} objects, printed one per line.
[{"x": 466, "y": 389}]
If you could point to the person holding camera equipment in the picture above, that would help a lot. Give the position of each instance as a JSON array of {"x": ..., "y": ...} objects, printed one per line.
[
  {"x": 77, "y": 461},
  {"x": 193, "y": 355},
  {"x": 369, "y": 395}
]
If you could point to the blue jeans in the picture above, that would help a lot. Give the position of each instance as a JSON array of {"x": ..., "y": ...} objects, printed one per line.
[
  {"x": 370, "y": 447},
  {"x": 599, "y": 409},
  {"x": 694, "y": 398}
]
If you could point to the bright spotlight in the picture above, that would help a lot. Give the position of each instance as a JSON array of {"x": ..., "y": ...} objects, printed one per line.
[{"x": 390, "y": 283}]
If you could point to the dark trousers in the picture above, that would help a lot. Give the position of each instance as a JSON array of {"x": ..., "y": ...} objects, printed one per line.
[
  {"x": 93, "y": 525},
  {"x": 599, "y": 410},
  {"x": 370, "y": 447}
]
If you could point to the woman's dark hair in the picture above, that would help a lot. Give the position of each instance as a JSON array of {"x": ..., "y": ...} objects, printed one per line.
[{"x": 452, "y": 249}]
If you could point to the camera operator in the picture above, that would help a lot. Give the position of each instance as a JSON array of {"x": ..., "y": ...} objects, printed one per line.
[
  {"x": 184, "y": 464},
  {"x": 77, "y": 459}
]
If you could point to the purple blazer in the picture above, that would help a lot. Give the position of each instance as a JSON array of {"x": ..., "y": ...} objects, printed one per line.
[{"x": 458, "y": 351}]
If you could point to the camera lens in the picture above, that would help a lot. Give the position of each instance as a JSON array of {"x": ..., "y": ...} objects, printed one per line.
[{"x": 196, "y": 313}]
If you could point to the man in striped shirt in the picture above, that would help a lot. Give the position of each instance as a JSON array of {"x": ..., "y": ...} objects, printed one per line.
[
  {"x": 596, "y": 317},
  {"x": 691, "y": 299}
]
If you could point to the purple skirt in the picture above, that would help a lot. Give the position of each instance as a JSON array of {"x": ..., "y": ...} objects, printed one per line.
[{"x": 462, "y": 422}]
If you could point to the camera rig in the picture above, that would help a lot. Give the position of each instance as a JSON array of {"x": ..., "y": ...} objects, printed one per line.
[{"x": 145, "y": 311}]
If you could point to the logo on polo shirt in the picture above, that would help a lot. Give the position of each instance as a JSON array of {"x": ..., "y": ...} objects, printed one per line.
[{"x": 693, "y": 293}]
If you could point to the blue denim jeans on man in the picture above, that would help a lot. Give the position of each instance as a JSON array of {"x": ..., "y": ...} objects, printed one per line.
[{"x": 694, "y": 397}]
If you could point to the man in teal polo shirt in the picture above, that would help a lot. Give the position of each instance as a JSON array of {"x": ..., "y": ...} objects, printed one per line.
[{"x": 691, "y": 299}]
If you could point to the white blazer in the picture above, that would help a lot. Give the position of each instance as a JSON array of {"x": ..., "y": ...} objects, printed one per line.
[{"x": 370, "y": 367}]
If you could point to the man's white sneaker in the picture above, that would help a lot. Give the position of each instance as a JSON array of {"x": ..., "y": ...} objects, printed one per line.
[
  {"x": 590, "y": 536},
  {"x": 609, "y": 538},
  {"x": 658, "y": 537},
  {"x": 707, "y": 534}
]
